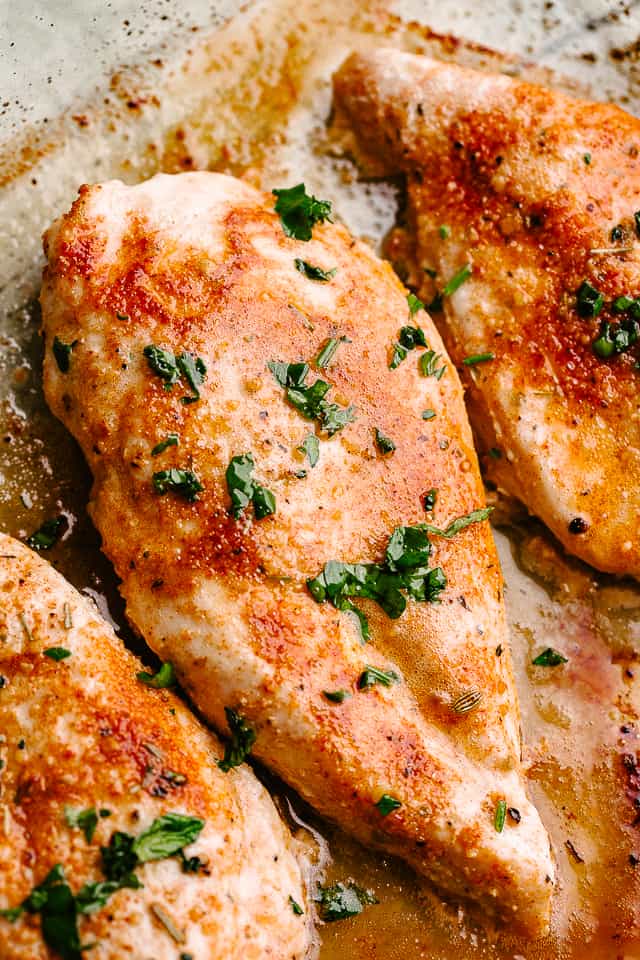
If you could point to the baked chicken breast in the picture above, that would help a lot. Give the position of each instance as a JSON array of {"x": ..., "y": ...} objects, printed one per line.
[
  {"x": 118, "y": 828},
  {"x": 270, "y": 428},
  {"x": 523, "y": 220}
]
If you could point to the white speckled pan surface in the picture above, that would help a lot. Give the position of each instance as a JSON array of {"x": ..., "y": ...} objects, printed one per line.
[{"x": 94, "y": 90}]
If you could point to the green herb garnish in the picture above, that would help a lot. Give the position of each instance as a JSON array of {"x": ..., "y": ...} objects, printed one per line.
[
  {"x": 549, "y": 658},
  {"x": 616, "y": 338},
  {"x": 194, "y": 371},
  {"x": 429, "y": 500},
  {"x": 414, "y": 304},
  {"x": 476, "y": 516},
  {"x": 342, "y": 900},
  {"x": 370, "y": 676},
  {"x": 450, "y": 288},
  {"x": 428, "y": 414},
  {"x": 478, "y": 358},
  {"x": 384, "y": 444},
  {"x": 300, "y": 211},
  {"x": 387, "y": 804},
  {"x": 310, "y": 446},
  {"x": 165, "y": 677},
  {"x": 62, "y": 353},
  {"x": 327, "y": 352},
  {"x": 47, "y": 535},
  {"x": 404, "y": 570},
  {"x": 500, "y": 815},
  {"x": 399, "y": 354},
  {"x": 429, "y": 365},
  {"x": 166, "y": 836},
  {"x": 309, "y": 399},
  {"x": 314, "y": 273},
  {"x": 170, "y": 368},
  {"x": 57, "y": 653},
  {"x": 589, "y": 301},
  {"x": 297, "y": 909},
  {"x": 444, "y": 231},
  {"x": 336, "y": 696},
  {"x": 242, "y": 740},
  {"x": 170, "y": 441},
  {"x": 184, "y": 483},
  {"x": 587, "y": 158},
  {"x": 85, "y": 820},
  {"x": 412, "y": 337},
  {"x": 243, "y": 489}
]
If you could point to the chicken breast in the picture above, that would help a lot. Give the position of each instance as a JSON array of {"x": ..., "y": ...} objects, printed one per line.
[
  {"x": 118, "y": 828},
  {"x": 538, "y": 194},
  {"x": 241, "y": 566}
]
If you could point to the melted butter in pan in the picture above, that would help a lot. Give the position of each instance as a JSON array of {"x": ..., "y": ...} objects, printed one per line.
[{"x": 258, "y": 100}]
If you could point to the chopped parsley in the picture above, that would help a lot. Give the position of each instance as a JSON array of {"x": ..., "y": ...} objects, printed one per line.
[
  {"x": 636, "y": 220},
  {"x": 328, "y": 350},
  {"x": 450, "y": 288},
  {"x": 444, "y": 231},
  {"x": 170, "y": 441},
  {"x": 476, "y": 516},
  {"x": 242, "y": 740},
  {"x": 170, "y": 368},
  {"x": 399, "y": 354},
  {"x": 62, "y": 354},
  {"x": 478, "y": 358},
  {"x": 310, "y": 446},
  {"x": 309, "y": 399},
  {"x": 403, "y": 571},
  {"x": 47, "y": 535},
  {"x": 85, "y": 820},
  {"x": 57, "y": 653},
  {"x": 387, "y": 804},
  {"x": 314, "y": 273},
  {"x": 336, "y": 696},
  {"x": 299, "y": 211},
  {"x": 500, "y": 815},
  {"x": 589, "y": 301},
  {"x": 412, "y": 337},
  {"x": 372, "y": 675},
  {"x": 342, "y": 900},
  {"x": 429, "y": 365},
  {"x": 166, "y": 836},
  {"x": 428, "y": 414},
  {"x": 414, "y": 303},
  {"x": 184, "y": 483},
  {"x": 243, "y": 489},
  {"x": 429, "y": 499},
  {"x": 616, "y": 338},
  {"x": 384, "y": 444},
  {"x": 295, "y": 906},
  {"x": 165, "y": 677},
  {"x": 587, "y": 159},
  {"x": 549, "y": 658}
]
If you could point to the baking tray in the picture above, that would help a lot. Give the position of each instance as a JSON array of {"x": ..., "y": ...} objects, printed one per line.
[{"x": 94, "y": 90}]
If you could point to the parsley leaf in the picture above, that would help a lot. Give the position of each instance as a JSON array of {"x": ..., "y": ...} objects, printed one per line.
[
  {"x": 429, "y": 499},
  {"x": 549, "y": 658},
  {"x": 372, "y": 675},
  {"x": 165, "y": 677},
  {"x": 412, "y": 337},
  {"x": 327, "y": 352},
  {"x": 314, "y": 273},
  {"x": 616, "y": 338},
  {"x": 387, "y": 804},
  {"x": 414, "y": 304},
  {"x": 62, "y": 353},
  {"x": 170, "y": 441},
  {"x": 47, "y": 535},
  {"x": 311, "y": 447},
  {"x": 478, "y": 358},
  {"x": 589, "y": 301},
  {"x": 336, "y": 696},
  {"x": 429, "y": 365},
  {"x": 182, "y": 482},
  {"x": 476, "y": 516},
  {"x": 399, "y": 354},
  {"x": 163, "y": 364},
  {"x": 85, "y": 820},
  {"x": 194, "y": 371},
  {"x": 342, "y": 900},
  {"x": 243, "y": 489},
  {"x": 500, "y": 815},
  {"x": 300, "y": 211},
  {"x": 428, "y": 414},
  {"x": 94, "y": 896},
  {"x": 57, "y": 653},
  {"x": 384, "y": 444},
  {"x": 166, "y": 836},
  {"x": 309, "y": 399},
  {"x": 450, "y": 288},
  {"x": 297, "y": 909},
  {"x": 242, "y": 740}
]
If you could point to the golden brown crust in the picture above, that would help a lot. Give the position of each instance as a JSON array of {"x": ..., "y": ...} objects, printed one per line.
[
  {"x": 200, "y": 262},
  {"x": 530, "y": 184}
]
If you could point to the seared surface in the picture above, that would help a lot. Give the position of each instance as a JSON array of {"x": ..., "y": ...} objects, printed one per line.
[
  {"x": 83, "y": 732},
  {"x": 200, "y": 263},
  {"x": 530, "y": 184}
]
